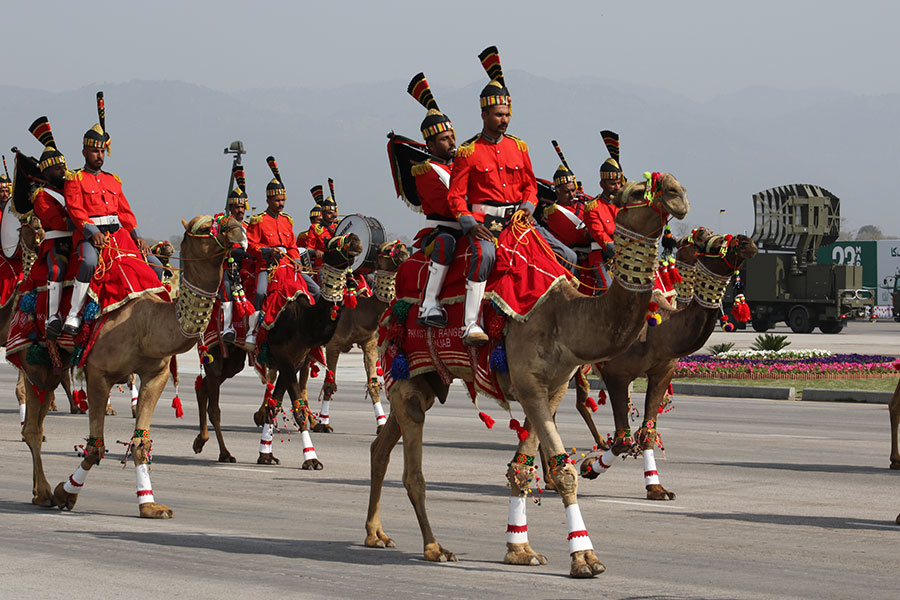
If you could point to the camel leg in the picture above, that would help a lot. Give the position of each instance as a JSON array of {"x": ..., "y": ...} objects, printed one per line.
[
  {"x": 657, "y": 384},
  {"x": 33, "y": 434},
  {"x": 380, "y": 457},
  {"x": 540, "y": 406},
  {"x": 212, "y": 389},
  {"x": 133, "y": 388},
  {"x": 370, "y": 361},
  {"x": 297, "y": 392},
  {"x": 303, "y": 383},
  {"x": 20, "y": 398},
  {"x": 332, "y": 355},
  {"x": 66, "y": 383},
  {"x": 617, "y": 388},
  {"x": 582, "y": 391},
  {"x": 266, "y": 416},
  {"x": 152, "y": 387},
  {"x": 894, "y": 409},
  {"x": 521, "y": 475},
  {"x": 98, "y": 386},
  {"x": 202, "y": 403}
]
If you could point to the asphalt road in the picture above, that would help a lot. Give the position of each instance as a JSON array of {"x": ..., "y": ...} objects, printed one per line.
[
  {"x": 863, "y": 337},
  {"x": 774, "y": 500}
]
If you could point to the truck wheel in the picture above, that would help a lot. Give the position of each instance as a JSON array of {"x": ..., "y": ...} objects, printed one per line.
[
  {"x": 799, "y": 321},
  {"x": 761, "y": 325},
  {"x": 831, "y": 326}
]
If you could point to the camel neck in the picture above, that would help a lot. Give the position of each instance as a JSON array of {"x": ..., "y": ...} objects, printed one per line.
[{"x": 686, "y": 331}]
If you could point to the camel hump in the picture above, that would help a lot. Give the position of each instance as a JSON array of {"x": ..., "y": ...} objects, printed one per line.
[
  {"x": 520, "y": 144},
  {"x": 422, "y": 168},
  {"x": 466, "y": 149},
  {"x": 75, "y": 175}
]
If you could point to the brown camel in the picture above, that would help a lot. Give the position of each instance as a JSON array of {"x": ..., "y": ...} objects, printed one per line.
[
  {"x": 140, "y": 337},
  {"x": 224, "y": 367},
  {"x": 300, "y": 328},
  {"x": 894, "y": 409},
  {"x": 566, "y": 331},
  {"x": 656, "y": 357},
  {"x": 358, "y": 326}
]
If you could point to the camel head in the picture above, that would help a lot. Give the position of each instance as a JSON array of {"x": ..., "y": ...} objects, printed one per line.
[
  {"x": 690, "y": 246},
  {"x": 644, "y": 206},
  {"x": 205, "y": 243},
  {"x": 163, "y": 250},
  {"x": 341, "y": 250},
  {"x": 31, "y": 234},
  {"x": 725, "y": 254},
  {"x": 391, "y": 255}
]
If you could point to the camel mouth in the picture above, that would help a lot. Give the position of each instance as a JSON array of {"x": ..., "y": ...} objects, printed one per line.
[{"x": 677, "y": 207}]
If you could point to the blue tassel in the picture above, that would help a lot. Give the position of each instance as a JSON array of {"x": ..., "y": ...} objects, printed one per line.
[
  {"x": 28, "y": 303},
  {"x": 400, "y": 367},
  {"x": 498, "y": 360},
  {"x": 90, "y": 310}
]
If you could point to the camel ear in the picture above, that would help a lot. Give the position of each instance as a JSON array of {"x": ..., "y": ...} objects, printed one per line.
[{"x": 187, "y": 226}]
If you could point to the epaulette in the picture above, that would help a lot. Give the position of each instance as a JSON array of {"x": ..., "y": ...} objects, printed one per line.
[
  {"x": 549, "y": 210},
  {"x": 421, "y": 168},
  {"x": 288, "y": 217},
  {"x": 35, "y": 193},
  {"x": 119, "y": 179},
  {"x": 256, "y": 218},
  {"x": 466, "y": 149},
  {"x": 74, "y": 175},
  {"x": 318, "y": 228},
  {"x": 520, "y": 144},
  {"x": 590, "y": 205}
]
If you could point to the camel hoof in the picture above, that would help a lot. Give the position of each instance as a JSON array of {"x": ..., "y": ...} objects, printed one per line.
[
  {"x": 259, "y": 417},
  {"x": 134, "y": 412},
  {"x": 63, "y": 499},
  {"x": 895, "y": 464},
  {"x": 267, "y": 458},
  {"x": 523, "y": 555},
  {"x": 585, "y": 564},
  {"x": 52, "y": 407},
  {"x": 153, "y": 510},
  {"x": 378, "y": 429},
  {"x": 658, "y": 492},
  {"x": 586, "y": 471},
  {"x": 436, "y": 553},
  {"x": 199, "y": 442},
  {"x": 43, "y": 498},
  {"x": 322, "y": 428},
  {"x": 226, "y": 457},
  {"x": 110, "y": 411},
  {"x": 312, "y": 464},
  {"x": 75, "y": 410},
  {"x": 898, "y": 519},
  {"x": 603, "y": 445},
  {"x": 379, "y": 540}
]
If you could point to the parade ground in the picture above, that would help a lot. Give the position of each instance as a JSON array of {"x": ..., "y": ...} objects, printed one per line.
[{"x": 775, "y": 499}]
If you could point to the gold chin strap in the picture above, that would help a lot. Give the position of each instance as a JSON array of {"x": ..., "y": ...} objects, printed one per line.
[
  {"x": 193, "y": 309},
  {"x": 635, "y": 260},
  {"x": 384, "y": 285}
]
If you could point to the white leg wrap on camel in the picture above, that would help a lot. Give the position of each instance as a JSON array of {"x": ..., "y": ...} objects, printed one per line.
[
  {"x": 651, "y": 475},
  {"x": 309, "y": 452},
  {"x": 75, "y": 482},
  {"x": 325, "y": 413},
  {"x": 578, "y": 535},
  {"x": 380, "y": 417},
  {"x": 604, "y": 462},
  {"x": 517, "y": 526},
  {"x": 134, "y": 395},
  {"x": 144, "y": 489},
  {"x": 22, "y": 414},
  {"x": 265, "y": 442}
]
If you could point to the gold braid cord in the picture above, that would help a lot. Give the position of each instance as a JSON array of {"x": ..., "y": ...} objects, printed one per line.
[
  {"x": 685, "y": 288},
  {"x": 709, "y": 287},
  {"x": 333, "y": 283},
  {"x": 28, "y": 258},
  {"x": 193, "y": 309},
  {"x": 384, "y": 286},
  {"x": 635, "y": 260}
]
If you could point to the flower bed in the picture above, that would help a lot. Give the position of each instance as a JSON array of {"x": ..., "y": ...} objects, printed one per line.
[{"x": 787, "y": 365}]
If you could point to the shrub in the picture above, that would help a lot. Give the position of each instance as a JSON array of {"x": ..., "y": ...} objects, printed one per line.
[
  {"x": 770, "y": 341},
  {"x": 720, "y": 348}
]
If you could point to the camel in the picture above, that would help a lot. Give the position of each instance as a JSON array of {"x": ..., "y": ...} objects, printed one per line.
[
  {"x": 564, "y": 332},
  {"x": 230, "y": 361},
  {"x": 894, "y": 409},
  {"x": 656, "y": 357},
  {"x": 139, "y": 337},
  {"x": 358, "y": 326},
  {"x": 298, "y": 330}
]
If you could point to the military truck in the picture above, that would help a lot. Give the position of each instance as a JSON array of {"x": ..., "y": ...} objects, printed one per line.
[{"x": 784, "y": 282}]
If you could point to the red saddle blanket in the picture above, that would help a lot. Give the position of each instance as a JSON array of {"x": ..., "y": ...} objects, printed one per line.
[
  {"x": 524, "y": 273},
  {"x": 10, "y": 277},
  {"x": 285, "y": 285}
]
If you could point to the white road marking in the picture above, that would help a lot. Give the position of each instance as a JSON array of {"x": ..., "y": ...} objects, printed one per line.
[
  {"x": 246, "y": 469},
  {"x": 652, "y": 505},
  {"x": 885, "y": 526}
]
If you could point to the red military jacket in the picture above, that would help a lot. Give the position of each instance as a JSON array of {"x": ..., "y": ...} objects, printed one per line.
[
  {"x": 318, "y": 235},
  {"x": 600, "y": 219},
  {"x": 567, "y": 223},
  {"x": 433, "y": 186},
  {"x": 268, "y": 231},
  {"x": 96, "y": 195},
  {"x": 48, "y": 206},
  {"x": 495, "y": 174}
]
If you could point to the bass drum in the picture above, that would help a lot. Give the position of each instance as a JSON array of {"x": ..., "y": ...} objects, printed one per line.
[
  {"x": 9, "y": 231},
  {"x": 371, "y": 234}
]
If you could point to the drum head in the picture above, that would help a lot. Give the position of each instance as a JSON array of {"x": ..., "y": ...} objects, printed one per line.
[
  {"x": 370, "y": 233},
  {"x": 9, "y": 231}
]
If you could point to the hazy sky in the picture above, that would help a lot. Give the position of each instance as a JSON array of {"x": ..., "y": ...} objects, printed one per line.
[{"x": 696, "y": 48}]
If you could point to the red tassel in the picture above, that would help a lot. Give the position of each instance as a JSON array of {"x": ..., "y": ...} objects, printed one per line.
[
  {"x": 335, "y": 310},
  {"x": 176, "y": 404},
  {"x": 350, "y": 299},
  {"x": 521, "y": 432},
  {"x": 198, "y": 383},
  {"x": 313, "y": 370},
  {"x": 675, "y": 275},
  {"x": 238, "y": 309},
  {"x": 268, "y": 395},
  {"x": 601, "y": 397},
  {"x": 653, "y": 307},
  {"x": 79, "y": 397},
  {"x": 329, "y": 376},
  {"x": 486, "y": 419},
  {"x": 741, "y": 312},
  {"x": 591, "y": 404},
  {"x": 378, "y": 370},
  {"x": 664, "y": 277}
]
